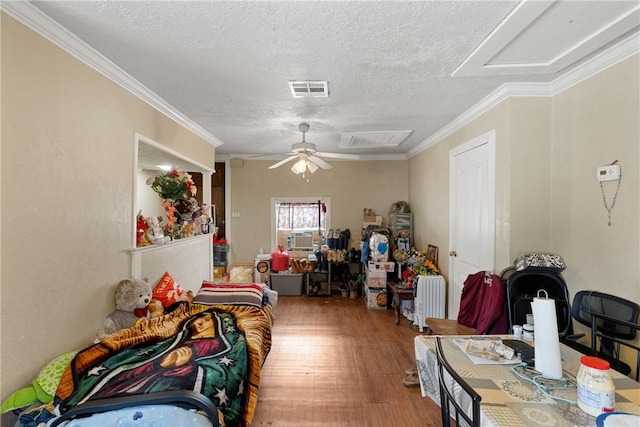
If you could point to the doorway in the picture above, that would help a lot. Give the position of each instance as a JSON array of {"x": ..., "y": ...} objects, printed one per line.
[
  {"x": 218, "y": 181},
  {"x": 472, "y": 213}
]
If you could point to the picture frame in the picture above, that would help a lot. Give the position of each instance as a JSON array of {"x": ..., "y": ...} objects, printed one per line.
[{"x": 432, "y": 254}]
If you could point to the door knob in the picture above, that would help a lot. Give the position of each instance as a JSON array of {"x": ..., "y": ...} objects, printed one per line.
[{"x": 453, "y": 253}]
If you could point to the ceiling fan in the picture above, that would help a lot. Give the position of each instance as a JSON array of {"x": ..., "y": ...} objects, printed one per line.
[{"x": 308, "y": 159}]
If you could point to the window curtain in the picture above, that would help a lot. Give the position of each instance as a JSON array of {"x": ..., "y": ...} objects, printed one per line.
[{"x": 300, "y": 216}]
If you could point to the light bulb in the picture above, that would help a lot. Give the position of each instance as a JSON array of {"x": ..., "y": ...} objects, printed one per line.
[
  {"x": 312, "y": 167},
  {"x": 299, "y": 167}
]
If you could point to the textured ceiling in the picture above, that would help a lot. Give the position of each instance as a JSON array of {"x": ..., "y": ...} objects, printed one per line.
[{"x": 226, "y": 64}]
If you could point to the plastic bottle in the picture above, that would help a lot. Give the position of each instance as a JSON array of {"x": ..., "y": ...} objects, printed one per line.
[
  {"x": 527, "y": 332},
  {"x": 596, "y": 391}
]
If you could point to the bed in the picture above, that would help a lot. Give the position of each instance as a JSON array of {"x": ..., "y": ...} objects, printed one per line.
[{"x": 206, "y": 355}]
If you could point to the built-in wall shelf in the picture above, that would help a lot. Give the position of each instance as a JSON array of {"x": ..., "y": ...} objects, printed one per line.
[
  {"x": 172, "y": 244},
  {"x": 188, "y": 260}
]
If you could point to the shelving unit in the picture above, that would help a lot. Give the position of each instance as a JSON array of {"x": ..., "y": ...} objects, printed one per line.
[
  {"x": 321, "y": 283},
  {"x": 402, "y": 223}
]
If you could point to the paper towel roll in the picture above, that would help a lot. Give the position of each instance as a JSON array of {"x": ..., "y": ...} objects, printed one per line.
[{"x": 545, "y": 335}]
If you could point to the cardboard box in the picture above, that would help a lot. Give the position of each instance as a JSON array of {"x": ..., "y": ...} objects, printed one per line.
[
  {"x": 375, "y": 298},
  {"x": 380, "y": 269},
  {"x": 373, "y": 218},
  {"x": 376, "y": 282},
  {"x": 287, "y": 283},
  {"x": 381, "y": 274}
]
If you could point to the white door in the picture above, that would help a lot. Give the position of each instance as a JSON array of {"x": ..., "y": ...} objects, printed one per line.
[{"x": 472, "y": 213}]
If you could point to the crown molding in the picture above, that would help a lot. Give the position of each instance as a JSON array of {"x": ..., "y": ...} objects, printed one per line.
[
  {"x": 36, "y": 20},
  {"x": 275, "y": 157},
  {"x": 600, "y": 62}
]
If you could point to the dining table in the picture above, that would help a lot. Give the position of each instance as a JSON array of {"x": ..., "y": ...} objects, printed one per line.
[{"x": 509, "y": 398}]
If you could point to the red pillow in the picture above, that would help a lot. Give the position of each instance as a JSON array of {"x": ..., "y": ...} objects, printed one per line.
[{"x": 167, "y": 290}]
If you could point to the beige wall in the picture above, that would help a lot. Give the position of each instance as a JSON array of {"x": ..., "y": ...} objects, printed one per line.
[
  {"x": 594, "y": 124},
  {"x": 67, "y": 174},
  {"x": 352, "y": 186},
  {"x": 429, "y": 185},
  {"x": 547, "y": 197}
]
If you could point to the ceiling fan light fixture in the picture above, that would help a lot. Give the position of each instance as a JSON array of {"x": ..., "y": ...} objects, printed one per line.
[
  {"x": 299, "y": 167},
  {"x": 312, "y": 167}
]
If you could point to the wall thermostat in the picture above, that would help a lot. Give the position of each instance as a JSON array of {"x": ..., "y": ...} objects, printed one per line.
[{"x": 608, "y": 173}]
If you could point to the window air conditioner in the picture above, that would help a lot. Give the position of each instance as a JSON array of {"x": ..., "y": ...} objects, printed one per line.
[{"x": 301, "y": 241}]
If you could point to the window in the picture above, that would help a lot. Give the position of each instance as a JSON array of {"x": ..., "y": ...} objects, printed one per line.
[{"x": 298, "y": 223}]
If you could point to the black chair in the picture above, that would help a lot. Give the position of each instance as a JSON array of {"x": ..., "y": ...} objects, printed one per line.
[
  {"x": 447, "y": 398},
  {"x": 523, "y": 286},
  {"x": 616, "y": 342},
  {"x": 615, "y": 321}
]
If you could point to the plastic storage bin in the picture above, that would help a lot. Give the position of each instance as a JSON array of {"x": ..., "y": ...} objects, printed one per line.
[{"x": 287, "y": 283}]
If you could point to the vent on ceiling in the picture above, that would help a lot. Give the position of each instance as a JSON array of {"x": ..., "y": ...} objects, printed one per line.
[
  {"x": 309, "y": 89},
  {"x": 373, "y": 139}
]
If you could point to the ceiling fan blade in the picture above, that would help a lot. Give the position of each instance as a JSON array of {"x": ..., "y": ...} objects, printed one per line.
[
  {"x": 271, "y": 156},
  {"x": 318, "y": 161},
  {"x": 339, "y": 156},
  {"x": 282, "y": 162}
]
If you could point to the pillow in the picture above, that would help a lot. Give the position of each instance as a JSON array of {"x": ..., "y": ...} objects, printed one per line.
[
  {"x": 229, "y": 293},
  {"x": 43, "y": 386},
  {"x": 167, "y": 291},
  {"x": 241, "y": 274}
]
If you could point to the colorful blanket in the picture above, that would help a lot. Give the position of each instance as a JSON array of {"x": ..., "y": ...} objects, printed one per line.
[{"x": 215, "y": 350}]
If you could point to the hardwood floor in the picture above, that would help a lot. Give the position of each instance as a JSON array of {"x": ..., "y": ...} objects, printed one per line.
[{"x": 334, "y": 362}]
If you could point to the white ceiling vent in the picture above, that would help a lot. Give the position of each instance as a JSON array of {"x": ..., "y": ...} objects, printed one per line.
[
  {"x": 309, "y": 89},
  {"x": 373, "y": 139}
]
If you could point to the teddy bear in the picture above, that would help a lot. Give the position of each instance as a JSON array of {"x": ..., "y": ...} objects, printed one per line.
[{"x": 132, "y": 303}]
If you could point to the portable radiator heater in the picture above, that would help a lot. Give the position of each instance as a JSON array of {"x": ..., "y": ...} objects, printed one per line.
[{"x": 430, "y": 299}]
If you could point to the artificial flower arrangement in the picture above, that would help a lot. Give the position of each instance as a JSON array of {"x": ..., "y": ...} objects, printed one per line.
[
  {"x": 415, "y": 264},
  {"x": 185, "y": 217},
  {"x": 173, "y": 185}
]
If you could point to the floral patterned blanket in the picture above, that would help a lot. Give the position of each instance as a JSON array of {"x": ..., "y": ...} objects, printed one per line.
[{"x": 215, "y": 350}]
